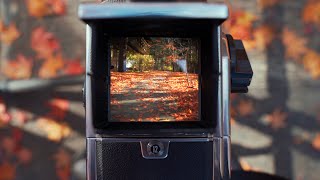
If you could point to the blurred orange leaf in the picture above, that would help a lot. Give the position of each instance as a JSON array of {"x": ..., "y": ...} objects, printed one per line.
[
  {"x": 245, "y": 165},
  {"x": 311, "y": 62},
  {"x": 73, "y": 67},
  {"x": 263, "y": 36},
  {"x": 40, "y": 8},
  {"x": 21, "y": 68},
  {"x": 24, "y": 155},
  {"x": 277, "y": 119},
  {"x": 8, "y": 144},
  {"x": 63, "y": 164},
  {"x": 55, "y": 131},
  {"x": 316, "y": 142},
  {"x": 58, "y": 108},
  {"x": 311, "y": 13},
  {"x": 295, "y": 45},
  {"x": 58, "y": 6},
  {"x": 7, "y": 171},
  {"x": 4, "y": 115},
  {"x": 45, "y": 44},
  {"x": 8, "y": 34},
  {"x": 240, "y": 24},
  {"x": 51, "y": 66},
  {"x": 245, "y": 107}
]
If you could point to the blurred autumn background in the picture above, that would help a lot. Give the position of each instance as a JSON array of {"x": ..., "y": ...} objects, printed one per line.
[{"x": 275, "y": 127}]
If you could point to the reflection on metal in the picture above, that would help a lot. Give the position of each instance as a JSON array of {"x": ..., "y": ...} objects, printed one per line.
[
  {"x": 217, "y": 159},
  {"x": 226, "y": 158},
  {"x": 153, "y": 10},
  {"x": 226, "y": 143},
  {"x": 91, "y": 159},
  {"x": 226, "y": 95},
  {"x": 88, "y": 96}
]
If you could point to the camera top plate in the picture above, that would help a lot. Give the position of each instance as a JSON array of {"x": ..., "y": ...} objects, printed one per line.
[{"x": 106, "y": 11}]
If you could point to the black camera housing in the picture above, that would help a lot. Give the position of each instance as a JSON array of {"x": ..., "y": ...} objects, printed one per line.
[{"x": 162, "y": 150}]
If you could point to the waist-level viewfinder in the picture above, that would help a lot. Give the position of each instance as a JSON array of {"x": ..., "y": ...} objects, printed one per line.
[{"x": 158, "y": 79}]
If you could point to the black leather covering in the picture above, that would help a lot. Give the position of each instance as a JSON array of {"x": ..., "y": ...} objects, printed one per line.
[{"x": 124, "y": 161}]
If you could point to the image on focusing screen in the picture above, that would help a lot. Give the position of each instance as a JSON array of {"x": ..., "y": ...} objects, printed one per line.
[{"x": 154, "y": 79}]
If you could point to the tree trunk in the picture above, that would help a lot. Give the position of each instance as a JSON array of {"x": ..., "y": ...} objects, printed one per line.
[{"x": 122, "y": 55}]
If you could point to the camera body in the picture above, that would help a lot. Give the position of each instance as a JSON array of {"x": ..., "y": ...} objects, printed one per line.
[{"x": 121, "y": 145}]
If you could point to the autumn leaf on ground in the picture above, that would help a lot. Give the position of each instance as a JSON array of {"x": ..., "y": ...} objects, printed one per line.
[
  {"x": 267, "y": 3},
  {"x": 45, "y": 44},
  {"x": 311, "y": 13},
  {"x": 62, "y": 164},
  {"x": 8, "y": 34},
  {"x": 277, "y": 119},
  {"x": 58, "y": 108},
  {"x": 51, "y": 66},
  {"x": 245, "y": 107},
  {"x": 316, "y": 142},
  {"x": 7, "y": 171},
  {"x": 20, "y": 68},
  {"x": 58, "y": 6},
  {"x": 40, "y": 8},
  {"x": 311, "y": 62},
  {"x": 245, "y": 165},
  {"x": 4, "y": 115},
  {"x": 73, "y": 67},
  {"x": 295, "y": 45},
  {"x": 24, "y": 156},
  {"x": 55, "y": 131},
  {"x": 263, "y": 36},
  {"x": 8, "y": 144},
  {"x": 240, "y": 24}
]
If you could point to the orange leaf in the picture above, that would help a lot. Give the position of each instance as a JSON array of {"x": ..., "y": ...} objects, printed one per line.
[
  {"x": 295, "y": 45},
  {"x": 311, "y": 13},
  {"x": 245, "y": 107},
  {"x": 316, "y": 142},
  {"x": 38, "y": 8},
  {"x": 245, "y": 165},
  {"x": 58, "y": 108},
  {"x": 8, "y": 34},
  {"x": 7, "y": 171},
  {"x": 263, "y": 36},
  {"x": 277, "y": 119},
  {"x": 58, "y": 6},
  {"x": 311, "y": 62},
  {"x": 73, "y": 68},
  {"x": 8, "y": 145},
  {"x": 63, "y": 164},
  {"x": 4, "y": 115},
  {"x": 21, "y": 68},
  {"x": 44, "y": 43},
  {"x": 240, "y": 24},
  {"x": 51, "y": 66},
  {"x": 24, "y": 155},
  {"x": 55, "y": 131}
]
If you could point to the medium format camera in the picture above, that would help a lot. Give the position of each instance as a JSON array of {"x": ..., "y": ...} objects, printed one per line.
[{"x": 158, "y": 81}]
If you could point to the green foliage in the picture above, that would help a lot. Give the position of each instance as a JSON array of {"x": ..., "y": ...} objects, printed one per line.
[{"x": 140, "y": 62}]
